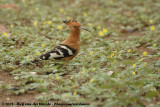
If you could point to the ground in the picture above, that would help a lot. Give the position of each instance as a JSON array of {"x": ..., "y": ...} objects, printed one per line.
[{"x": 118, "y": 64}]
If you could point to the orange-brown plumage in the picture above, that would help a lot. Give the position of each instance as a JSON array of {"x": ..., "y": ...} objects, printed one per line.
[{"x": 74, "y": 38}]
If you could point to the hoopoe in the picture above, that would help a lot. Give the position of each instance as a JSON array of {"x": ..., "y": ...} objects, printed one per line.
[{"x": 69, "y": 48}]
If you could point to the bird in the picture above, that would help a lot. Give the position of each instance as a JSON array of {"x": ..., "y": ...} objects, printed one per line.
[{"x": 67, "y": 49}]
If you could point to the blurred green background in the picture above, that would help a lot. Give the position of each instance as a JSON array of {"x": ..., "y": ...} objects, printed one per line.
[{"x": 118, "y": 65}]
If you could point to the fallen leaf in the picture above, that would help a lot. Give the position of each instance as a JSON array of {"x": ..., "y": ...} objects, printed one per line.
[
  {"x": 110, "y": 73},
  {"x": 13, "y": 6},
  {"x": 3, "y": 28}
]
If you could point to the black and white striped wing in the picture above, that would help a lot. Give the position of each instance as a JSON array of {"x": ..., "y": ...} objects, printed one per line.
[{"x": 59, "y": 52}]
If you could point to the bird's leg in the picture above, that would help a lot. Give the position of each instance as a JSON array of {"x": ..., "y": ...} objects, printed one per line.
[
  {"x": 66, "y": 63},
  {"x": 65, "y": 68}
]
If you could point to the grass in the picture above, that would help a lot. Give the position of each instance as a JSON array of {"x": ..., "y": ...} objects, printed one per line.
[{"x": 125, "y": 40}]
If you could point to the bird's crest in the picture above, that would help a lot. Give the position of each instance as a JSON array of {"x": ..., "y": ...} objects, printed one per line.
[{"x": 71, "y": 22}]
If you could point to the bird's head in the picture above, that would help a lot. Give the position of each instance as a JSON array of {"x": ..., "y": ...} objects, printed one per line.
[{"x": 74, "y": 25}]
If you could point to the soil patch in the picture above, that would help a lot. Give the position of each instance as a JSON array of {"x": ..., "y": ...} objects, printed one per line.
[{"x": 6, "y": 78}]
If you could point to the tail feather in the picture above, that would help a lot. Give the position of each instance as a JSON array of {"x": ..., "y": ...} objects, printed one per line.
[
  {"x": 34, "y": 61},
  {"x": 42, "y": 57}
]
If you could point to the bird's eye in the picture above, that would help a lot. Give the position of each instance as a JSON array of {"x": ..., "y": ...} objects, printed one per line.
[{"x": 74, "y": 26}]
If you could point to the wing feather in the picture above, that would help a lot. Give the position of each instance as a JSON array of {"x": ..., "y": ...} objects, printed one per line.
[{"x": 59, "y": 52}]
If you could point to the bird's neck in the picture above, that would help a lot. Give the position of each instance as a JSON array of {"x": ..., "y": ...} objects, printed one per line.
[{"x": 74, "y": 37}]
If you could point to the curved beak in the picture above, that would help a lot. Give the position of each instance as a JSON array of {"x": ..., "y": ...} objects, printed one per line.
[{"x": 85, "y": 29}]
